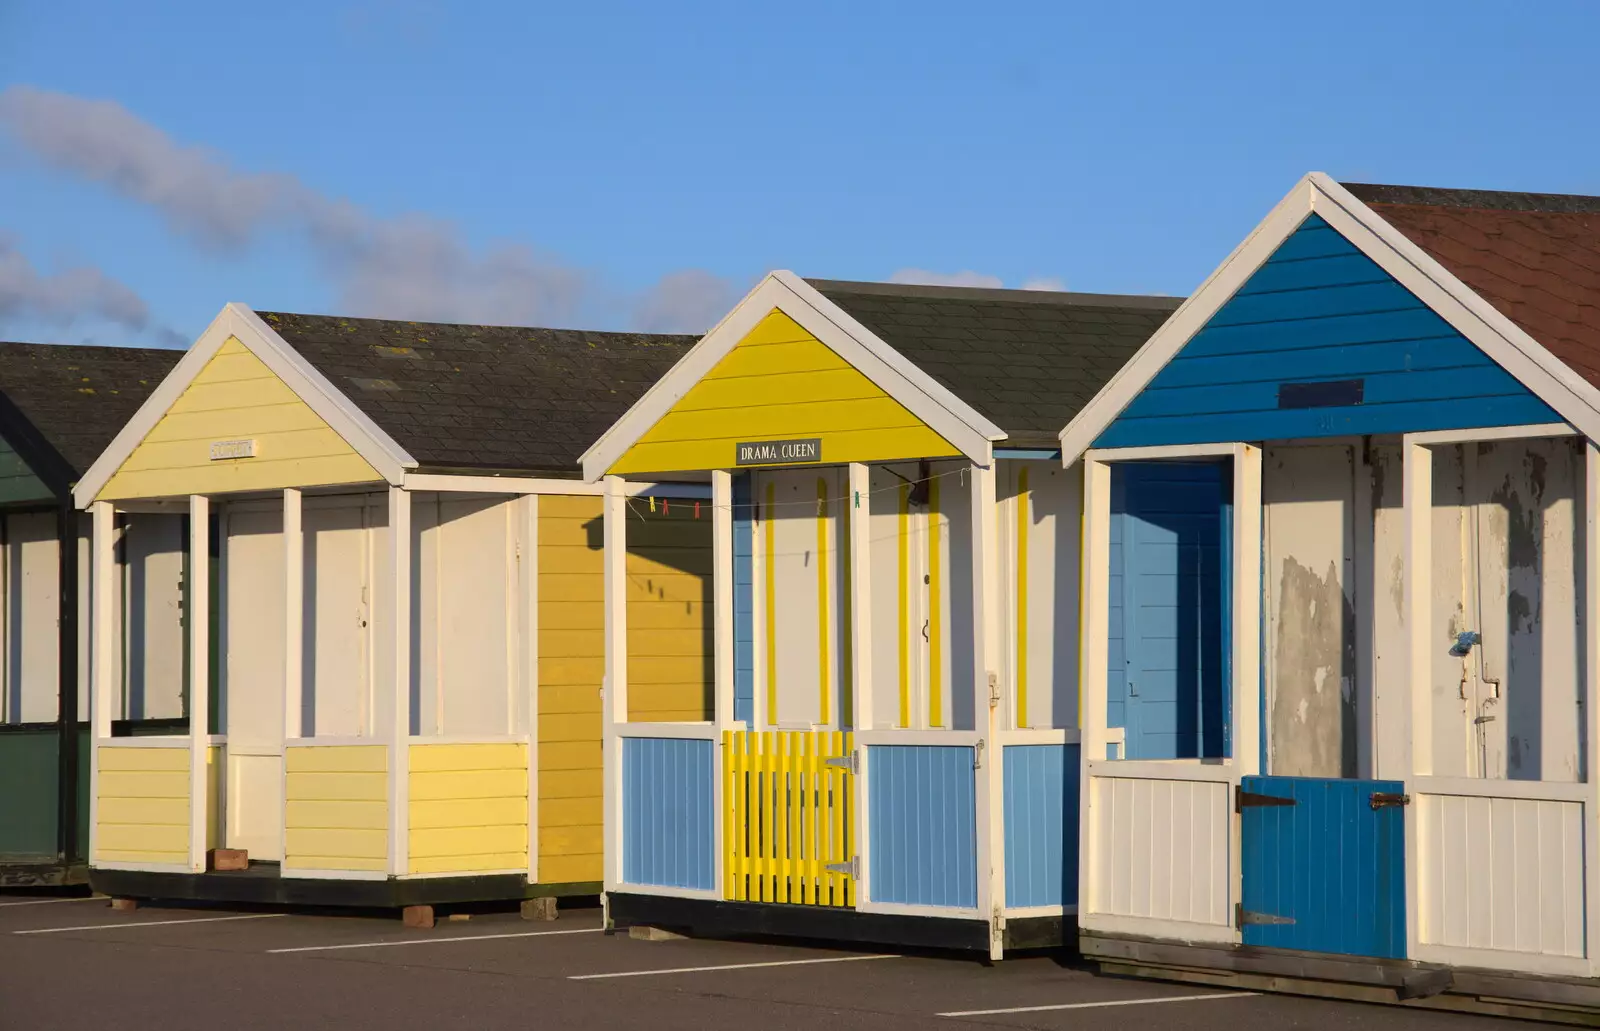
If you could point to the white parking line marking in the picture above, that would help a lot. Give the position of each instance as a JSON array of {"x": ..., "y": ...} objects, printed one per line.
[
  {"x": 1096, "y": 1005},
  {"x": 152, "y": 923},
  {"x": 46, "y": 902},
  {"x": 730, "y": 966},
  {"x": 436, "y": 941}
]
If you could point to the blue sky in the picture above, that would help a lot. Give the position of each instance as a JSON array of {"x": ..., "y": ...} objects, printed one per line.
[{"x": 639, "y": 165}]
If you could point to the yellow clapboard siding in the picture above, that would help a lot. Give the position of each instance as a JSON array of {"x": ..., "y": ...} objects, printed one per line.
[
  {"x": 568, "y": 700},
  {"x": 781, "y": 381},
  {"x": 307, "y": 814},
  {"x": 470, "y": 784},
  {"x": 572, "y": 672},
  {"x": 338, "y": 759},
  {"x": 338, "y": 787},
  {"x": 567, "y": 506},
  {"x": 568, "y": 869},
  {"x": 124, "y": 837},
  {"x": 236, "y": 397},
  {"x": 565, "y": 588},
  {"x": 429, "y": 843},
  {"x": 569, "y": 755},
  {"x": 471, "y": 864},
  {"x": 468, "y": 812},
  {"x": 567, "y": 840},
  {"x": 346, "y": 842},
  {"x": 662, "y": 670},
  {"x": 583, "y": 726},
  {"x": 137, "y": 784},
  {"x": 570, "y": 812},
  {"x": 172, "y": 811},
  {"x": 561, "y": 784},
  {"x": 315, "y": 862},
  {"x": 105, "y": 855},
  {"x": 557, "y": 618},
  {"x": 485, "y": 756},
  {"x": 144, "y": 760}
]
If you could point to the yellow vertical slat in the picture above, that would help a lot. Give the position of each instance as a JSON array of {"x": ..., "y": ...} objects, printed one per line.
[
  {"x": 849, "y": 802},
  {"x": 797, "y": 744},
  {"x": 835, "y": 835},
  {"x": 779, "y": 765},
  {"x": 814, "y": 812},
  {"x": 768, "y": 834},
  {"x": 802, "y": 816},
  {"x": 730, "y": 818}
]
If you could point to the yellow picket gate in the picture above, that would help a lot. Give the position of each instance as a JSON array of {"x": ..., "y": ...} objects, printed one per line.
[{"x": 790, "y": 814}]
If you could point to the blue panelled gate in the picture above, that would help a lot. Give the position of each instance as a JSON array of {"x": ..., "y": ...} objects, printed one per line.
[{"x": 1323, "y": 865}]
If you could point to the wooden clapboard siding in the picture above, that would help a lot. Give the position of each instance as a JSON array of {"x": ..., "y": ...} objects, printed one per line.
[
  {"x": 468, "y": 808},
  {"x": 669, "y": 648},
  {"x": 236, "y": 397},
  {"x": 143, "y": 813},
  {"x": 17, "y": 480},
  {"x": 780, "y": 382},
  {"x": 1320, "y": 310},
  {"x": 336, "y": 800}
]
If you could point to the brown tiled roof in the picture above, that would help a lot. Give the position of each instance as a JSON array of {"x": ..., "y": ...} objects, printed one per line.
[
  {"x": 1028, "y": 360},
  {"x": 489, "y": 398},
  {"x": 1534, "y": 256},
  {"x": 79, "y": 397}
]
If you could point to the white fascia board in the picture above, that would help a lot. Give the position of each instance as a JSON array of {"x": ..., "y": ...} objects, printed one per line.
[
  {"x": 358, "y": 429},
  {"x": 942, "y": 411},
  {"x": 1191, "y": 316},
  {"x": 1491, "y": 330},
  {"x": 235, "y": 320}
]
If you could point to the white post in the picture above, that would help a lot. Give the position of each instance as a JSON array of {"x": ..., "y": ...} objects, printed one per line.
[
  {"x": 1246, "y": 642},
  {"x": 614, "y": 701},
  {"x": 530, "y": 668},
  {"x": 198, "y": 599},
  {"x": 293, "y": 615},
  {"x": 1413, "y": 708},
  {"x": 102, "y": 652},
  {"x": 990, "y": 704},
  {"x": 1094, "y": 576},
  {"x": 858, "y": 508},
  {"x": 1591, "y": 710},
  {"x": 400, "y": 688},
  {"x": 722, "y": 598}
]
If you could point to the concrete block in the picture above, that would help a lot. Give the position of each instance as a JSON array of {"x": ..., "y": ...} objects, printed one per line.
[
  {"x": 227, "y": 859},
  {"x": 652, "y": 934},
  {"x": 417, "y": 916},
  {"x": 539, "y": 909},
  {"x": 124, "y": 905}
]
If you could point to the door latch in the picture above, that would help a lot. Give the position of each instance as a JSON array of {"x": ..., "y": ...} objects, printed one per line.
[{"x": 1388, "y": 799}]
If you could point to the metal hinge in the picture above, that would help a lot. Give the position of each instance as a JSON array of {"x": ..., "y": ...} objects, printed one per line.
[
  {"x": 1385, "y": 799},
  {"x": 1243, "y": 800},
  {"x": 994, "y": 689},
  {"x": 1243, "y": 917},
  {"x": 851, "y": 762},
  {"x": 977, "y": 755},
  {"x": 997, "y": 924},
  {"x": 849, "y": 868}
]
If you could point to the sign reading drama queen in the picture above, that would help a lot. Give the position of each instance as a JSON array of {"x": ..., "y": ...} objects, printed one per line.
[{"x": 779, "y": 452}]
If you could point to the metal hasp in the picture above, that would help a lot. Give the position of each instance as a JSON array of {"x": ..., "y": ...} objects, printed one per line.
[
  {"x": 1243, "y": 799},
  {"x": 1243, "y": 917},
  {"x": 1386, "y": 799}
]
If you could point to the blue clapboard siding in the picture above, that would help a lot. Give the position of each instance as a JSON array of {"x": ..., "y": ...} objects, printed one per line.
[
  {"x": 1041, "y": 813},
  {"x": 1321, "y": 310},
  {"x": 744, "y": 640},
  {"x": 922, "y": 824},
  {"x": 1329, "y": 863},
  {"x": 668, "y": 830}
]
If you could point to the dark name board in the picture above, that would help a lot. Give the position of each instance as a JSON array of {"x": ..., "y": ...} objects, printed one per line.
[{"x": 778, "y": 452}]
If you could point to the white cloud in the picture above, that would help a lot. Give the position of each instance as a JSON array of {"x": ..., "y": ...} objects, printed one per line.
[
  {"x": 69, "y": 297},
  {"x": 690, "y": 301},
  {"x": 922, "y": 277},
  {"x": 1047, "y": 283},
  {"x": 411, "y": 267}
]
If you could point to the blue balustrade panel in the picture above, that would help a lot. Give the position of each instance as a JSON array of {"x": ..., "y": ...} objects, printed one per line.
[
  {"x": 1041, "y": 815},
  {"x": 668, "y": 812},
  {"x": 1322, "y": 342},
  {"x": 922, "y": 825}
]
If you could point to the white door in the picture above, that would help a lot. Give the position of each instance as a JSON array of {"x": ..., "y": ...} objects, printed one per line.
[
  {"x": 336, "y": 690},
  {"x": 803, "y": 568},
  {"x": 901, "y": 581},
  {"x": 253, "y": 635}
]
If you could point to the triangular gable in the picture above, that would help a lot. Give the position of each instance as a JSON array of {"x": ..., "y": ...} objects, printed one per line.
[
  {"x": 242, "y": 412},
  {"x": 789, "y": 364},
  {"x": 1327, "y": 322}
]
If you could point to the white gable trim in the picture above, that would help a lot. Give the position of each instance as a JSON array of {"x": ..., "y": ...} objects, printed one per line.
[
  {"x": 941, "y": 410},
  {"x": 1575, "y": 399},
  {"x": 235, "y": 320}
]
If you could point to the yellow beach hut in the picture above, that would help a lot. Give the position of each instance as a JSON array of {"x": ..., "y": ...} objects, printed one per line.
[{"x": 389, "y": 614}]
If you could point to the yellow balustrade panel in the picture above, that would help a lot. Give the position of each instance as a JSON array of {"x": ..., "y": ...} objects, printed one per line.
[
  {"x": 336, "y": 807},
  {"x": 468, "y": 808},
  {"x": 142, "y": 812},
  {"x": 789, "y": 816}
]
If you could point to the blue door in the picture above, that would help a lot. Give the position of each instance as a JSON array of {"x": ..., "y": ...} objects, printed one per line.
[
  {"x": 1170, "y": 533},
  {"x": 1323, "y": 865}
]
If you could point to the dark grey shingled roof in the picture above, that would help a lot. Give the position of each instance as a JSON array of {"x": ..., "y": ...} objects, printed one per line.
[
  {"x": 484, "y": 397},
  {"x": 1028, "y": 360},
  {"x": 79, "y": 397}
]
